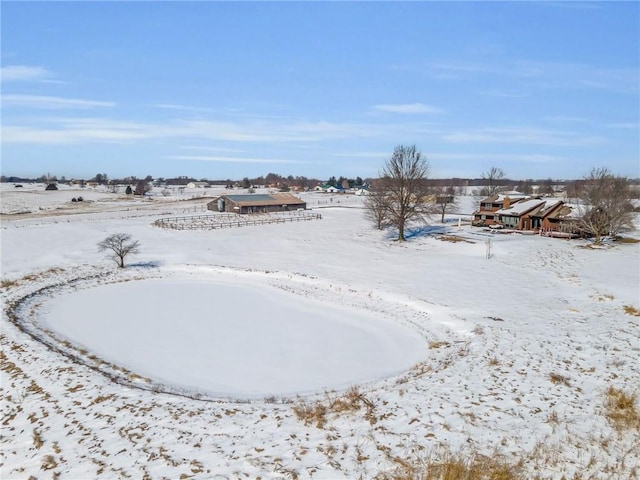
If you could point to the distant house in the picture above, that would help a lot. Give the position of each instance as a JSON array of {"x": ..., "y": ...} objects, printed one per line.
[
  {"x": 257, "y": 203},
  {"x": 517, "y": 216},
  {"x": 197, "y": 184},
  {"x": 485, "y": 215}
]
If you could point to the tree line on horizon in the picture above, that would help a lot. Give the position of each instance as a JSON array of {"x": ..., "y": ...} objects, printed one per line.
[{"x": 526, "y": 186}]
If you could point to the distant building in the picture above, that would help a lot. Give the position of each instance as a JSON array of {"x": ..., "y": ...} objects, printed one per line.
[
  {"x": 256, "y": 203},
  {"x": 197, "y": 184},
  {"x": 51, "y": 186}
]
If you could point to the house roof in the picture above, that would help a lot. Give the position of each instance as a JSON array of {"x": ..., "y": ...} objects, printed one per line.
[
  {"x": 547, "y": 207},
  {"x": 254, "y": 200},
  {"x": 521, "y": 207},
  {"x": 500, "y": 198}
]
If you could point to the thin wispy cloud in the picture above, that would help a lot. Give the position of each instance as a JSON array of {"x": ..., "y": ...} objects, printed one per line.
[
  {"x": 362, "y": 154},
  {"x": 566, "y": 119},
  {"x": 505, "y": 94},
  {"x": 577, "y": 75},
  {"x": 89, "y": 129},
  {"x": 185, "y": 108},
  {"x": 407, "y": 108},
  {"x": 464, "y": 67},
  {"x": 501, "y": 158},
  {"x": 531, "y": 75},
  {"x": 212, "y": 149},
  {"x": 218, "y": 159},
  {"x": 624, "y": 126},
  {"x": 51, "y": 103},
  {"x": 570, "y": 5},
  {"x": 68, "y": 136},
  {"x": 528, "y": 136},
  {"x": 23, "y": 73}
]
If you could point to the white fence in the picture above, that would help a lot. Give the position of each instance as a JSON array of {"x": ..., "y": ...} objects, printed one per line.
[{"x": 229, "y": 220}]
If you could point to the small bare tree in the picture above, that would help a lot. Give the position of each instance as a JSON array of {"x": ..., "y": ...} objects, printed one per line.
[
  {"x": 493, "y": 177},
  {"x": 445, "y": 200},
  {"x": 375, "y": 206},
  {"x": 119, "y": 245},
  {"x": 605, "y": 208},
  {"x": 403, "y": 181}
]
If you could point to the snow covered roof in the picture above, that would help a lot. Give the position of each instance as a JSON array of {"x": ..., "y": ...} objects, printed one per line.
[
  {"x": 547, "y": 207},
  {"x": 520, "y": 208},
  {"x": 264, "y": 199},
  {"x": 514, "y": 197}
]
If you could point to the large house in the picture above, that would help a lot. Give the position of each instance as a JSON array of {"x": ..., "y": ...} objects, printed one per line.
[
  {"x": 256, "y": 203},
  {"x": 488, "y": 206},
  {"x": 527, "y": 214},
  {"x": 517, "y": 216}
]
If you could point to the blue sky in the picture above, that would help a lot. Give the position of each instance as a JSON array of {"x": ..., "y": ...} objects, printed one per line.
[{"x": 227, "y": 90}]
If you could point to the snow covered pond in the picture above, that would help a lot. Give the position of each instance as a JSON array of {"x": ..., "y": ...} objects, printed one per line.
[{"x": 232, "y": 337}]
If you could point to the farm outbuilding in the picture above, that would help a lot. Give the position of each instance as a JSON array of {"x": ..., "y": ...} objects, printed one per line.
[{"x": 257, "y": 203}]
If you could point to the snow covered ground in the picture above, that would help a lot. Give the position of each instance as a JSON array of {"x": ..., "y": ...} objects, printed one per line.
[{"x": 200, "y": 358}]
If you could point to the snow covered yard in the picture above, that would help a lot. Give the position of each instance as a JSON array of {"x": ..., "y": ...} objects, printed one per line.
[{"x": 509, "y": 357}]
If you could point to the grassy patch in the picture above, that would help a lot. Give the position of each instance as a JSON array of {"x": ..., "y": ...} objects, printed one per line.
[
  {"x": 454, "y": 467},
  {"x": 630, "y": 310},
  {"x": 621, "y": 409},
  {"x": 8, "y": 283},
  {"x": 435, "y": 344},
  {"x": 558, "y": 379},
  {"x": 48, "y": 462},
  {"x": 351, "y": 401},
  {"x": 453, "y": 239},
  {"x": 603, "y": 297},
  {"x": 626, "y": 240},
  {"x": 311, "y": 413},
  {"x": 37, "y": 439}
]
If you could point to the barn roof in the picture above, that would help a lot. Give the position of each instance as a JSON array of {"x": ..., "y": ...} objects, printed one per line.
[{"x": 253, "y": 200}]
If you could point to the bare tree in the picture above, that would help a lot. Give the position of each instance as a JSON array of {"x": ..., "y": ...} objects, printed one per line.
[
  {"x": 605, "y": 208},
  {"x": 119, "y": 245},
  {"x": 375, "y": 205},
  {"x": 546, "y": 188},
  {"x": 525, "y": 186},
  {"x": 143, "y": 186},
  {"x": 494, "y": 177},
  {"x": 445, "y": 200},
  {"x": 403, "y": 181}
]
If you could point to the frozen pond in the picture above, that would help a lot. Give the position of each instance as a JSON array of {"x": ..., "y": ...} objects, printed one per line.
[{"x": 232, "y": 337}]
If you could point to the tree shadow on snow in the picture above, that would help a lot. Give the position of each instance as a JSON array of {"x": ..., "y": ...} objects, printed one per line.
[
  {"x": 418, "y": 232},
  {"x": 152, "y": 264}
]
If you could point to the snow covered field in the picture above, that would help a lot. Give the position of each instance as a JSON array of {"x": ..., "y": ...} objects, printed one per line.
[{"x": 201, "y": 358}]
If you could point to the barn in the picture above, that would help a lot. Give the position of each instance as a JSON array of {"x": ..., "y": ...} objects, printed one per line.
[{"x": 256, "y": 203}]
